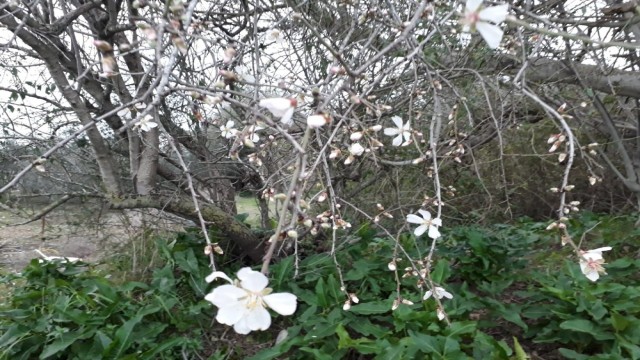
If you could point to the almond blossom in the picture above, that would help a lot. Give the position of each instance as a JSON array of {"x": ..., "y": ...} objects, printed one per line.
[
  {"x": 426, "y": 223},
  {"x": 146, "y": 123},
  {"x": 227, "y": 130},
  {"x": 438, "y": 293},
  {"x": 316, "y": 121},
  {"x": 356, "y": 149},
  {"x": 243, "y": 303},
  {"x": 280, "y": 107},
  {"x": 485, "y": 20},
  {"x": 402, "y": 131},
  {"x": 591, "y": 262}
]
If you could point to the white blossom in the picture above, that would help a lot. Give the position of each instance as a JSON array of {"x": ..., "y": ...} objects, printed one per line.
[
  {"x": 485, "y": 20},
  {"x": 243, "y": 304},
  {"x": 146, "y": 123},
  {"x": 316, "y": 121},
  {"x": 426, "y": 223},
  {"x": 591, "y": 262},
  {"x": 400, "y": 131},
  {"x": 356, "y": 149},
  {"x": 228, "y": 131},
  {"x": 438, "y": 293},
  {"x": 280, "y": 107}
]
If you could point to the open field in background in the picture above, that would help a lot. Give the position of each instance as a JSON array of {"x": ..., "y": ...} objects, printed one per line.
[{"x": 84, "y": 231}]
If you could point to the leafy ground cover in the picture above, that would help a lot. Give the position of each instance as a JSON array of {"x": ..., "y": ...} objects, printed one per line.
[{"x": 516, "y": 294}]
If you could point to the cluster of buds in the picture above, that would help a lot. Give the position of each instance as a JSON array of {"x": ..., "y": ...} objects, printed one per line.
[
  {"x": 382, "y": 211},
  {"x": 420, "y": 273},
  {"x": 149, "y": 33},
  {"x": 591, "y": 148},
  {"x": 572, "y": 206},
  {"x": 209, "y": 100},
  {"x": 213, "y": 248},
  {"x": 450, "y": 191},
  {"x": 429, "y": 201},
  {"x": 351, "y": 298},
  {"x": 566, "y": 188},
  {"x": 400, "y": 300},
  {"x": 594, "y": 179},
  {"x": 556, "y": 140},
  {"x": 109, "y": 66},
  {"x": 560, "y": 224},
  {"x": 254, "y": 159},
  {"x": 456, "y": 153}
]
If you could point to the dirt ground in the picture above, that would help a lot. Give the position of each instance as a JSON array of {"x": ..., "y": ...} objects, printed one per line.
[
  {"x": 70, "y": 231},
  {"x": 90, "y": 232}
]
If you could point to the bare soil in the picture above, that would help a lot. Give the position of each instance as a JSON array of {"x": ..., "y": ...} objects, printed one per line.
[{"x": 88, "y": 232}]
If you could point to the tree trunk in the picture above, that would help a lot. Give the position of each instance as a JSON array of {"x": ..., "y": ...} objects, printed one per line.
[{"x": 239, "y": 237}]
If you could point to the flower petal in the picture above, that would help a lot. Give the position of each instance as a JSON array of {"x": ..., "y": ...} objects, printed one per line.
[
  {"x": 436, "y": 222},
  {"x": 258, "y": 318},
  {"x": 277, "y": 106},
  {"x": 398, "y": 121},
  {"x": 473, "y": 5},
  {"x": 592, "y": 275},
  {"x": 415, "y": 219},
  {"x": 391, "y": 131},
  {"x": 225, "y": 295},
  {"x": 492, "y": 34},
  {"x": 425, "y": 214},
  {"x": 433, "y": 232},
  {"x": 496, "y": 14},
  {"x": 420, "y": 230},
  {"x": 230, "y": 315},
  {"x": 427, "y": 295},
  {"x": 242, "y": 327},
  {"x": 397, "y": 141},
  {"x": 282, "y": 303},
  {"x": 287, "y": 117},
  {"x": 253, "y": 281},
  {"x": 217, "y": 274}
]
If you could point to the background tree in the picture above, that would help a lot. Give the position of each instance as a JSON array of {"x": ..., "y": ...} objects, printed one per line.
[{"x": 167, "y": 96}]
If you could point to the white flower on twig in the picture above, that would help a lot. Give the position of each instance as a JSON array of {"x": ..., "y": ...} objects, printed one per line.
[
  {"x": 146, "y": 123},
  {"x": 243, "y": 303},
  {"x": 400, "y": 131},
  {"x": 485, "y": 20},
  {"x": 281, "y": 107},
  {"x": 426, "y": 223},
  {"x": 591, "y": 262},
  {"x": 438, "y": 293},
  {"x": 227, "y": 130}
]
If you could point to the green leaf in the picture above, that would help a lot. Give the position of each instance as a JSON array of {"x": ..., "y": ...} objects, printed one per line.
[
  {"x": 64, "y": 341},
  {"x": 441, "y": 271},
  {"x": 123, "y": 339},
  {"x": 284, "y": 272},
  {"x": 160, "y": 348},
  {"x": 619, "y": 322},
  {"x": 520, "y": 353},
  {"x": 580, "y": 325},
  {"x": 372, "y": 307},
  {"x": 570, "y": 354},
  {"x": 586, "y": 326}
]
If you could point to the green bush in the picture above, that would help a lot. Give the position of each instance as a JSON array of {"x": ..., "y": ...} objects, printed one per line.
[
  {"x": 516, "y": 292},
  {"x": 72, "y": 311}
]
